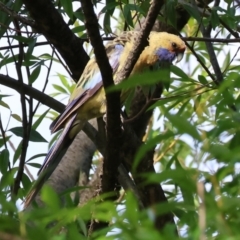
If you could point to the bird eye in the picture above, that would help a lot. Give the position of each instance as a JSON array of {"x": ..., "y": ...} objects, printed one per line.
[{"x": 174, "y": 45}]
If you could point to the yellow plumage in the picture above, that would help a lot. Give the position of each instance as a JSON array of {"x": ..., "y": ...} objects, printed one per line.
[{"x": 88, "y": 100}]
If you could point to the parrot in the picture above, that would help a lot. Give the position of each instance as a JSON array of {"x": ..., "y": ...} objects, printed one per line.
[{"x": 88, "y": 99}]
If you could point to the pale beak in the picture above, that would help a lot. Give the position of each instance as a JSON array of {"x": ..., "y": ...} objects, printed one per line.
[{"x": 179, "y": 56}]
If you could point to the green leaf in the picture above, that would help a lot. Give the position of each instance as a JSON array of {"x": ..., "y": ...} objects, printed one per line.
[
  {"x": 36, "y": 165},
  {"x": 39, "y": 120},
  {"x": 23, "y": 39},
  {"x": 2, "y": 140},
  {"x": 4, "y": 104},
  {"x": 26, "y": 182},
  {"x": 234, "y": 143},
  {"x": 109, "y": 7},
  {"x": 4, "y": 161},
  {"x": 214, "y": 18},
  {"x": 36, "y": 156},
  {"x": 150, "y": 145},
  {"x": 192, "y": 11},
  {"x": 28, "y": 55},
  {"x": 79, "y": 29},
  {"x": 34, "y": 135},
  {"x": 183, "y": 125},
  {"x": 35, "y": 73},
  {"x": 50, "y": 198},
  {"x": 17, "y": 152},
  {"x": 107, "y": 23},
  {"x": 59, "y": 88},
  {"x": 17, "y": 117},
  {"x": 147, "y": 78},
  {"x": 7, "y": 179},
  {"x": 202, "y": 79},
  {"x": 65, "y": 83},
  {"x": 176, "y": 176},
  {"x": 127, "y": 14},
  {"x": 131, "y": 203},
  {"x": 79, "y": 14},
  {"x": 170, "y": 9},
  {"x": 67, "y": 6},
  {"x": 3, "y": 96},
  {"x": 179, "y": 72}
]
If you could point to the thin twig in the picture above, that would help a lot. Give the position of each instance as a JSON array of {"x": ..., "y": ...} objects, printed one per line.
[
  {"x": 13, "y": 29},
  {"x": 26, "y": 130},
  {"x": 4, "y": 139},
  {"x": 25, "y": 167},
  {"x": 201, "y": 211},
  {"x": 209, "y": 39},
  {"x": 24, "y": 45},
  {"x": 30, "y": 91},
  {"x": 16, "y": 16},
  {"x": 189, "y": 39},
  {"x": 142, "y": 41},
  {"x": 212, "y": 55},
  {"x": 46, "y": 81},
  {"x": 151, "y": 101},
  {"x": 113, "y": 129}
]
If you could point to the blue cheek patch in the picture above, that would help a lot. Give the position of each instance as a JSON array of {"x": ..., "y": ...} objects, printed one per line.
[{"x": 165, "y": 55}]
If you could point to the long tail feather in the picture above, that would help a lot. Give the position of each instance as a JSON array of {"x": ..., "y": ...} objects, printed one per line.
[{"x": 51, "y": 161}]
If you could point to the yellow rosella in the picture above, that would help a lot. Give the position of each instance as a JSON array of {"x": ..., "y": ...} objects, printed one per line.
[{"x": 88, "y": 100}]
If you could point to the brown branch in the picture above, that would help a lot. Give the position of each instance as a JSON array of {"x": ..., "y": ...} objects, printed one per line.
[
  {"x": 111, "y": 160},
  {"x": 151, "y": 194},
  {"x": 4, "y": 142},
  {"x": 113, "y": 137},
  {"x": 16, "y": 16},
  {"x": 151, "y": 101},
  {"x": 142, "y": 41},
  {"x": 24, "y": 44},
  {"x": 212, "y": 56},
  {"x": 9, "y": 236},
  {"x": 51, "y": 24},
  {"x": 46, "y": 81},
  {"x": 123, "y": 177},
  {"x": 25, "y": 122},
  {"x": 36, "y": 94},
  {"x": 190, "y": 39},
  {"x": 208, "y": 39}
]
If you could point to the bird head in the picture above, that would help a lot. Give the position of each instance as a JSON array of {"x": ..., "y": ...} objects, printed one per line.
[{"x": 166, "y": 46}]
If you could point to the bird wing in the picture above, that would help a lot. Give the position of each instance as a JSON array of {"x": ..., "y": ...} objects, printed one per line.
[{"x": 89, "y": 83}]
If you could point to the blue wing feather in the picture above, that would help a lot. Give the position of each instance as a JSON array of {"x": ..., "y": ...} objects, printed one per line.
[
  {"x": 90, "y": 86},
  {"x": 113, "y": 60}
]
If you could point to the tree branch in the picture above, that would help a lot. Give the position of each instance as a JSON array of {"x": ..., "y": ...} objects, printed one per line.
[
  {"x": 142, "y": 40},
  {"x": 13, "y": 14},
  {"x": 30, "y": 91},
  {"x": 113, "y": 107},
  {"x": 66, "y": 175},
  {"x": 113, "y": 130},
  {"x": 51, "y": 24},
  {"x": 111, "y": 160}
]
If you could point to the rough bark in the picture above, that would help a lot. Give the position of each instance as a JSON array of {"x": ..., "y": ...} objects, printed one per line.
[{"x": 75, "y": 165}]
